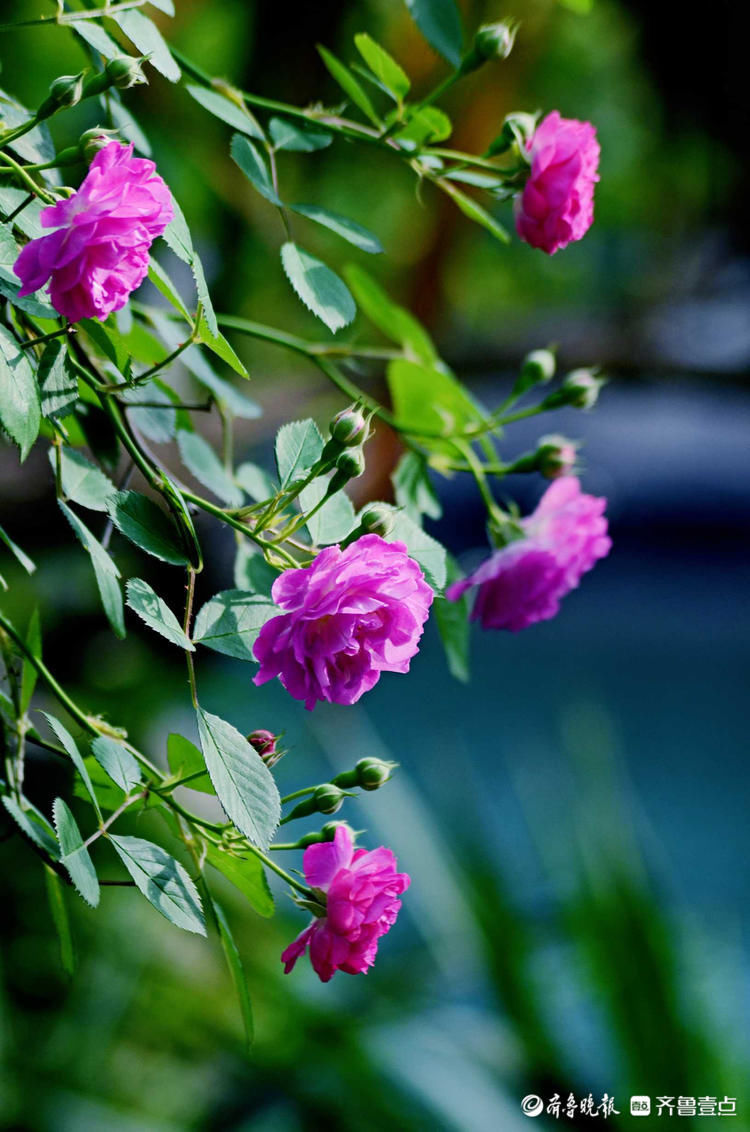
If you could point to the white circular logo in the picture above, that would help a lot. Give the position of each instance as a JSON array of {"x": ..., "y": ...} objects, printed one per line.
[{"x": 532, "y": 1105}]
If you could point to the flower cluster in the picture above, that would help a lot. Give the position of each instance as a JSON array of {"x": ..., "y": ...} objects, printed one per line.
[
  {"x": 99, "y": 253},
  {"x": 362, "y": 891},
  {"x": 556, "y": 206},
  {"x": 525, "y": 581},
  {"x": 349, "y": 616}
]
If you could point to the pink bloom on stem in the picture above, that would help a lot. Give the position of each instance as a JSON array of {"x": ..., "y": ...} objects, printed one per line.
[
  {"x": 350, "y": 615},
  {"x": 556, "y": 206},
  {"x": 525, "y": 581},
  {"x": 362, "y": 893},
  {"x": 99, "y": 253}
]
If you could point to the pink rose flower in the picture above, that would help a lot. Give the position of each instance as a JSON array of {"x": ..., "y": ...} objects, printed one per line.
[
  {"x": 557, "y": 202},
  {"x": 525, "y": 581},
  {"x": 99, "y": 253},
  {"x": 350, "y": 615},
  {"x": 362, "y": 890}
]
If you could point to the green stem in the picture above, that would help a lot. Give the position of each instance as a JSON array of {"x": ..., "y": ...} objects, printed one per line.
[
  {"x": 188, "y": 617},
  {"x": 113, "y": 817},
  {"x": 46, "y": 337},
  {"x": 298, "y": 794},
  {"x": 28, "y": 181},
  {"x": 72, "y": 17}
]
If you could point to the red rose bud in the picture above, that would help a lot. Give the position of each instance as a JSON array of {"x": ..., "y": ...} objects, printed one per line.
[
  {"x": 556, "y": 456},
  {"x": 264, "y": 743},
  {"x": 349, "y": 427}
]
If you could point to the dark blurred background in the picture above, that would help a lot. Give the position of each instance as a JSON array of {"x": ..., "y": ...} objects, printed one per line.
[{"x": 575, "y": 819}]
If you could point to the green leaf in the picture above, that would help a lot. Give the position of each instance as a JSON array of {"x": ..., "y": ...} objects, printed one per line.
[
  {"x": 224, "y": 108},
  {"x": 114, "y": 758},
  {"x": 57, "y": 378},
  {"x": 148, "y": 39},
  {"x": 298, "y": 137},
  {"x": 105, "y": 571},
  {"x": 251, "y": 571},
  {"x": 245, "y": 873},
  {"x": 82, "y": 481},
  {"x": 385, "y": 68},
  {"x": 8, "y": 247},
  {"x": 17, "y": 553},
  {"x": 227, "y": 396},
  {"x": 74, "y": 855},
  {"x": 243, "y": 783},
  {"x": 255, "y": 482},
  {"x": 108, "y": 341},
  {"x": 184, "y": 758},
  {"x": 31, "y": 304},
  {"x": 348, "y": 229},
  {"x": 230, "y": 622},
  {"x": 177, "y": 235},
  {"x": 319, "y": 288},
  {"x": 20, "y": 409},
  {"x": 234, "y": 963},
  {"x": 200, "y": 459},
  {"x": 210, "y": 335},
  {"x": 145, "y": 524},
  {"x": 452, "y": 619},
  {"x": 163, "y": 881},
  {"x": 425, "y": 398},
  {"x": 163, "y": 6},
  {"x": 252, "y": 164},
  {"x": 27, "y": 220},
  {"x": 394, "y": 321},
  {"x": 426, "y": 124},
  {"x": 164, "y": 284},
  {"x": 349, "y": 84},
  {"x": 29, "y": 673},
  {"x": 125, "y": 122},
  {"x": 208, "y": 326},
  {"x": 34, "y": 824},
  {"x": 424, "y": 549},
  {"x": 475, "y": 212},
  {"x": 440, "y": 23},
  {"x": 335, "y": 519},
  {"x": 96, "y": 37},
  {"x": 413, "y": 489},
  {"x": 110, "y": 797},
  {"x": 56, "y": 897},
  {"x": 76, "y": 758},
  {"x": 156, "y": 613},
  {"x": 298, "y": 446},
  {"x": 158, "y": 424}
]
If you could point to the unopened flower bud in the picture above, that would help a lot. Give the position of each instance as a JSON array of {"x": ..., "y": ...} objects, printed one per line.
[
  {"x": 351, "y": 463},
  {"x": 95, "y": 139},
  {"x": 125, "y": 71},
  {"x": 63, "y": 92},
  {"x": 373, "y": 773},
  {"x": 328, "y": 831},
  {"x": 349, "y": 427},
  {"x": 581, "y": 389},
  {"x": 264, "y": 742},
  {"x": 556, "y": 456},
  {"x": 377, "y": 521},
  {"x": 518, "y": 129},
  {"x": 328, "y": 798},
  {"x": 537, "y": 368},
  {"x": 495, "y": 41}
]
